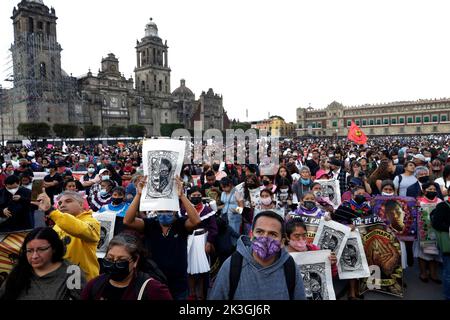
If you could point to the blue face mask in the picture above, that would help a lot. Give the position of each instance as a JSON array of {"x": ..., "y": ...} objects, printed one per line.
[
  {"x": 304, "y": 182},
  {"x": 165, "y": 219}
]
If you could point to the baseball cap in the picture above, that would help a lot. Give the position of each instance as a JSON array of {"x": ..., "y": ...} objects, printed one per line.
[
  {"x": 103, "y": 170},
  {"x": 420, "y": 156}
]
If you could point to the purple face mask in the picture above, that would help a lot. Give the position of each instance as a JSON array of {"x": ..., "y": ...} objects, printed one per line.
[{"x": 265, "y": 247}]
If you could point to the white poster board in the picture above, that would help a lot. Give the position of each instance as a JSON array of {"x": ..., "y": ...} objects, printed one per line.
[
  {"x": 162, "y": 161},
  {"x": 315, "y": 267},
  {"x": 107, "y": 221},
  {"x": 353, "y": 262},
  {"x": 331, "y": 190},
  {"x": 333, "y": 236}
]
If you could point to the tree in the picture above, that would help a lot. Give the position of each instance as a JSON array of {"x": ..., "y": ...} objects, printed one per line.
[
  {"x": 91, "y": 131},
  {"x": 34, "y": 131},
  {"x": 136, "y": 131},
  {"x": 116, "y": 131},
  {"x": 65, "y": 131},
  {"x": 167, "y": 128},
  {"x": 241, "y": 125}
]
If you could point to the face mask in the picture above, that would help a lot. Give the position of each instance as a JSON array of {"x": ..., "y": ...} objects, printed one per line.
[
  {"x": 266, "y": 201},
  {"x": 266, "y": 183},
  {"x": 196, "y": 200},
  {"x": 105, "y": 178},
  {"x": 103, "y": 192},
  {"x": 13, "y": 191},
  {"x": 427, "y": 159},
  {"x": 251, "y": 186},
  {"x": 82, "y": 161},
  {"x": 424, "y": 179},
  {"x": 299, "y": 245},
  {"x": 317, "y": 194},
  {"x": 395, "y": 161},
  {"x": 330, "y": 155},
  {"x": 117, "y": 201},
  {"x": 309, "y": 205},
  {"x": 359, "y": 199},
  {"x": 304, "y": 182},
  {"x": 28, "y": 186},
  {"x": 91, "y": 170},
  {"x": 99, "y": 164},
  {"x": 165, "y": 219},
  {"x": 265, "y": 247},
  {"x": 431, "y": 195},
  {"x": 387, "y": 194},
  {"x": 118, "y": 271},
  {"x": 47, "y": 170}
]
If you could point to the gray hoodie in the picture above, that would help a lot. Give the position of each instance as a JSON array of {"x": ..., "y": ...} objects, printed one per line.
[{"x": 256, "y": 282}]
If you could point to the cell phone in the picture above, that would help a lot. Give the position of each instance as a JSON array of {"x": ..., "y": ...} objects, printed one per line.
[{"x": 36, "y": 189}]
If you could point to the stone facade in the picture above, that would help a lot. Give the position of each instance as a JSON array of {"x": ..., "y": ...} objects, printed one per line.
[
  {"x": 43, "y": 92},
  {"x": 396, "y": 118},
  {"x": 276, "y": 126}
]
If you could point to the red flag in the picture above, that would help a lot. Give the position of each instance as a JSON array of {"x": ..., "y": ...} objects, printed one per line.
[{"x": 356, "y": 135}]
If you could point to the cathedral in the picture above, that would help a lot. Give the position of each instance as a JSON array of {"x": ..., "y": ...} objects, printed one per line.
[{"x": 43, "y": 92}]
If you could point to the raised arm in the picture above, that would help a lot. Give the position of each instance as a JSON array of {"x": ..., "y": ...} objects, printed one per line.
[
  {"x": 131, "y": 218},
  {"x": 193, "y": 219}
]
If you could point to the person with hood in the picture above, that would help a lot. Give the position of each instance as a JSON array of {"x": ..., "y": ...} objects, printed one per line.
[
  {"x": 304, "y": 184},
  {"x": 260, "y": 269}
]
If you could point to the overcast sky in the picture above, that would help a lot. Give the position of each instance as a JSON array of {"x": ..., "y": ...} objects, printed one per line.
[{"x": 266, "y": 56}]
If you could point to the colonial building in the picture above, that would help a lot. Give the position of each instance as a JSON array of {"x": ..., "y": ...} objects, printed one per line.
[
  {"x": 395, "y": 118},
  {"x": 43, "y": 92},
  {"x": 276, "y": 126}
]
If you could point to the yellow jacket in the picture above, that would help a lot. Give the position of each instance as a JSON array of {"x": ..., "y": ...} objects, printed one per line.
[{"x": 80, "y": 235}]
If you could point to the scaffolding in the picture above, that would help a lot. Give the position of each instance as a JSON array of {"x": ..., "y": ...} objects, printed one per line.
[{"x": 40, "y": 86}]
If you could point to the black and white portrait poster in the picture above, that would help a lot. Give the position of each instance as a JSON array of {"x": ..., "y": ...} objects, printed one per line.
[
  {"x": 331, "y": 190},
  {"x": 162, "y": 160},
  {"x": 333, "y": 236},
  {"x": 315, "y": 267},
  {"x": 353, "y": 261},
  {"x": 107, "y": 221}
]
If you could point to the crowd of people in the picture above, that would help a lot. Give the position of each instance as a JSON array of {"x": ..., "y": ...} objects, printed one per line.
[{"x": 236, "y": 228}]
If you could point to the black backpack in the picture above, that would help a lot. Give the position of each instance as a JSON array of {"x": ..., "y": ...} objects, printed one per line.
[{"x": 236, "y": 268}]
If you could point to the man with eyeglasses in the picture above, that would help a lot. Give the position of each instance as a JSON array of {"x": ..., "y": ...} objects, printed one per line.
[{"x": 79, "y": 231}]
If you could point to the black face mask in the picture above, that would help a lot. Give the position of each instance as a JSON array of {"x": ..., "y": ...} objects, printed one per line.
[
  {"x": 431, "y": 195},
  {"x": 359, "y": 199},
  {"x": 196, "y": 200},
  {"x": 117, "y": 271},
  {"x": 116, "y": 201},
  {"x": 266, "y": 183},
  {"x": 424, "y": 179},
  {"x": 309, "y": 205},
  {"x": 216, "y": 167}
]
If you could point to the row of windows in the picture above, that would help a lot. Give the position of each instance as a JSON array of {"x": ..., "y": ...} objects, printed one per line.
[
  {"x": 385, "y": 121},
  {"x": 401, "y": 120},
  {"x": 386, "y": 131}
]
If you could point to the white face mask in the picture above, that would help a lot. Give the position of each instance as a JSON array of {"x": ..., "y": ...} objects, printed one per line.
[
  {"x": 395, "y": 161},
  {"x": 386, "y": 194},
  {"x": 105, "y": 178},
  {"x": 13, "y": 191},
  {"x": 99, "y": 164},
  {"x": 427, "y": 159},
  {"x": 28, "y": 186},
  {"x": 91, "y": 170},
  {"x": 82, "y": 161},
  {"x": 266, "y": 201}
]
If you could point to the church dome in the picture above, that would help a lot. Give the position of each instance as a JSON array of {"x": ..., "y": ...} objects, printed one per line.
[
  {"x": 183, "y": 91},
  {"x": 151, "y": 29}
]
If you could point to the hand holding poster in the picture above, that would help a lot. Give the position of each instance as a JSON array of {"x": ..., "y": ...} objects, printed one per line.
[
  {"x": 162, "y": 161},
  {"x": 315, "y": 267},
  {"x": 353, "y": 262},
  {"x": 333, "y": 236},
  {"x": 426, "y": 234}
]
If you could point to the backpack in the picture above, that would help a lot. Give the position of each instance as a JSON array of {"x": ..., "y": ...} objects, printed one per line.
[
  {"x": 400, "y": 177},
  {"x": 236, "y": 268}
]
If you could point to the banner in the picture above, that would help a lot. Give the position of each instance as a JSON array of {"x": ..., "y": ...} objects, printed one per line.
[
  {"x": 10, "y": 244},
  {"x": 383, "y": 254},
  {"x": 315, "y": 268},
  {"x": 426, "y": 234},
  {"x": 162, "y": 161},
  {"x": 400, "y": 213},
  {"x": 312, "y": 224}
]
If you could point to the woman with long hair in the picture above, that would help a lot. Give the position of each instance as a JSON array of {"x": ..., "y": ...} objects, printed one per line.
[
  {"x": 385, "y": 171},
  {"x": 41, "y": 272}
]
